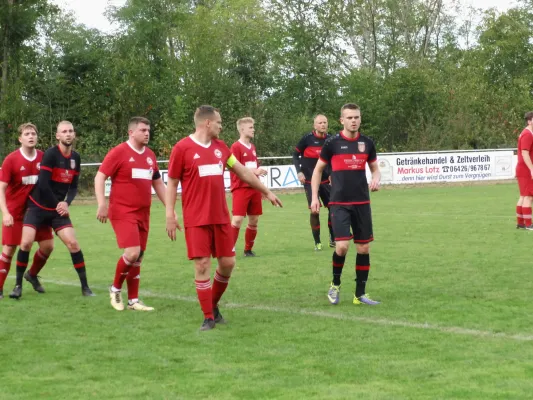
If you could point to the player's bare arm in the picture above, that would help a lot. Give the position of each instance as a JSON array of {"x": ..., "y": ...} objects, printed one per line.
[
  {"x": 376, "y": 176},
  {"x": 159, "y": 188},
  {"x": 246, "y": 175},
  {"x": 527, "y": 161},
  {"x": 7, "y": 218},
  {"x": 315, "y": 185},
  {"x": 171, "y": 194},
  {"x": 99, "y": 190}
]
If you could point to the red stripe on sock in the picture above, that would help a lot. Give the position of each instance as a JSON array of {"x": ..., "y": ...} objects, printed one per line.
[{"x": 362, "y": 267}]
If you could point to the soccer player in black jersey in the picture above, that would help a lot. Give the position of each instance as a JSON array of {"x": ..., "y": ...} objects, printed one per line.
[
  {"x": 304, "y": 159},
  {"x": 347, "y": 153},
  {"x": 49, "y": 202}
]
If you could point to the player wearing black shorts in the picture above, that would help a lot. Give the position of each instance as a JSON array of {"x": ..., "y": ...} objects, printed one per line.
[
  {"x": 49, "y": 202},
  {"x": 304, "y": 158},
  {"x": 347, "y": 153}
]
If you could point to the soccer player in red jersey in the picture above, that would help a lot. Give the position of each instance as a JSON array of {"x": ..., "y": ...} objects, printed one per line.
[
  {"x": 304, "y": 158},
  {"x": 524, "y": 174},
  {"x": 246, "y": 201},
  {"x": 198, "y": 162},
  {"x": 133, "y": 170},
  {"x": 18, "y": 176},
  {"x": 48, "y": 205},
  {"x": 347, "y": 154}
]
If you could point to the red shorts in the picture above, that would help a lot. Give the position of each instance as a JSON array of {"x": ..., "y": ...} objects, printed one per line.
[
  {"x": 210, "y": 240},
  {"x": 247, "y": 201},
  {"x": 12, "y": 235},
  {"x": 131, "y": 232},
  {"x": 525, "y": 185}
]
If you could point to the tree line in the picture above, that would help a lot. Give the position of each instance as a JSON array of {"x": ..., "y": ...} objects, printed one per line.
[{"x": 427, "y": 74}]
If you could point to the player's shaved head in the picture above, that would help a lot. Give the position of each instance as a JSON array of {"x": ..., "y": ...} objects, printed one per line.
[
  {"x": 134, "y": 121},
  {"x": 61, "y": 123},
  {"x": 320, "y": 124},
  {"x": 203, "y": 113}
]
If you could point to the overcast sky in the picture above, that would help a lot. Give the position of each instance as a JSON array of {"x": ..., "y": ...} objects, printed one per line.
[{"x": 91, "y": 13}]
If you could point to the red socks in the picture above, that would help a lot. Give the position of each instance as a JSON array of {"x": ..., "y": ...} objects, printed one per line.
[
  {"x": 205, "y": 297},
  {"x": 526, "y": 215},
  {"x": 5, "y": 265},
  {"x": 249, "y": 237},
  {"x": 133, "y": 280},
  {"x": 123, "y": 266},
  {"x": 220, "y": 283},
  {"x": 39, "y": 259}
]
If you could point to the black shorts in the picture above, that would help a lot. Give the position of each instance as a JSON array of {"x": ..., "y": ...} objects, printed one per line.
[
  {"x": 324, "y": 191},
  {"x": 358, "y": 218},
  {"x": 38, "y": 217}
]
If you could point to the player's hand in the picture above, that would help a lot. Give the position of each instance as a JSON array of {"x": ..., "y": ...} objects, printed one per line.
[
  {"x": 301, "y": 177},
  {"x": 62, "y": 208},
  {"x": 274, "y": 199},
  {"x": 260, "y": 172},
  {"x": 315, "y": 206},
  {"x": 101, "y": 213},
  {"x": 374, "y": 185},
  {"x": 7, "y": 219},
  {"x": 172, "y": 225}
]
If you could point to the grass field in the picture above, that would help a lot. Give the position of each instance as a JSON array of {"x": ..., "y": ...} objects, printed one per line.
[{"x": 454, "y": 275}]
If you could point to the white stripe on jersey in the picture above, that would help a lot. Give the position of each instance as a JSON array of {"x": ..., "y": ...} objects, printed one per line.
[
  {"x": 140, "y": 173},
  {"x": 210, "y": 170},
  {"x": 30, "y": 180}
]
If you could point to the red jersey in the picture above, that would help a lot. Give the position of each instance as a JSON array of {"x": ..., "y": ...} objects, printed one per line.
[
  {"x": 525, "y": 142},
  {"x": 200, "y": 169},
  {"x": 132, "y": 172},
  {"x": 247, "y": 156},
  {"x": 20, "y": 173}
]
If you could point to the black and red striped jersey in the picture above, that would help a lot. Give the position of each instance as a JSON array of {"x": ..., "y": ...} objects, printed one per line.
[
  {"x": 306, "y": 155},
  {"x": 347, "y": 159},
  {"x": 58, "y": 175}
]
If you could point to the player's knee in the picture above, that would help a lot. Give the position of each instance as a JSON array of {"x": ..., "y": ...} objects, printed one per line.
[
  {"x": 46, "y": 248},
  {"x": 132, "y": 254},
  {"x": 237, "y": 221},
  {"x": 226, "y": 263},
  {"x": 26, "y": 243},
  {"x": 72, "y": 245},
  {"x": 9, "y": 250},
  {"x": 363, "y": 248},
  {"x": 202, "y": 265},
  {"x": 341, "y": 248}
]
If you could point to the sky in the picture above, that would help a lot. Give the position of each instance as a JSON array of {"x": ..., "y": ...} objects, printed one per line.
[{"x": 91, "y": 13}]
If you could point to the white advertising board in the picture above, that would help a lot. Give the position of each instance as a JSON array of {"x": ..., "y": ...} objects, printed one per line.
[{"x": 407, "y": 168}]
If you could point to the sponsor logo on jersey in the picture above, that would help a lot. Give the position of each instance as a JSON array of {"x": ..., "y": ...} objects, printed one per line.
[
  {"x": 196, "y": 156},
  {"x": 210, "y": 169},
  {"x": 22, "y": 168},
  {"x": 132, "y": 159},
  {"x": 244, "y": 155},
  {"x": 218, "y": 153},
  {"x": 30, "y": 180},
  {"x": 344, "y": 147}
]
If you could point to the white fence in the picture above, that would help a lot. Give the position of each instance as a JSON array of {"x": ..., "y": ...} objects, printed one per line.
[{"x": 404, "y": 168}]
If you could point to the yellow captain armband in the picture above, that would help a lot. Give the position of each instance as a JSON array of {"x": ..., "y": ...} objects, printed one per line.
[{"x": 231, "y": 161}]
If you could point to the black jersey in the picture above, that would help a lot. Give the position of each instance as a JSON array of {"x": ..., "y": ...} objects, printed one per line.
[
  {"x": 306, "y": 155},
  {"x": 348, "y": 159},
  {"x": 58, "y": 179}
]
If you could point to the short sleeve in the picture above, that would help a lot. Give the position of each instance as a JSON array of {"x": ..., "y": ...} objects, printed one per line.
[
  {"x": 302, "y": 144},
  {"x": 372, "y": 156},
  {"x": 78, "y": 163},
  {"x": 6, "y": 171},
  {"x": 157, "y": 174},
  {"x": 226, "y": 152},
  {"x": 176, "y": 164},
  {"x": 527, "y": 141},
  {"x": 49, "y": 160},
  {"x": 236, "y": 151},
  {"x": 326, "y": 153},
  {"x": 110, "y": 164}
]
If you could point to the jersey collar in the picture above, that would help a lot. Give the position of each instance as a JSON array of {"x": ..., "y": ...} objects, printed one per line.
[
  {"x": 248, "y": 146},
  {"x": 318, "y": 136},
  {"x": 200, "y": 144},
  {"x": 530, "y": 131},
  {"x": 347, "y": 138},
  {"x": 134, "y": 149},
  {"x": 26, "y": 157}
]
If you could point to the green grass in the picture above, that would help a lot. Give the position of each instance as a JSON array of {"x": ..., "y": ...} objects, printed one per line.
[{"x": 454, "y": 276}]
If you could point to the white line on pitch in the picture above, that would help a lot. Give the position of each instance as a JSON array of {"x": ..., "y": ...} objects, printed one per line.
[{"x": 324, "y": 314}]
